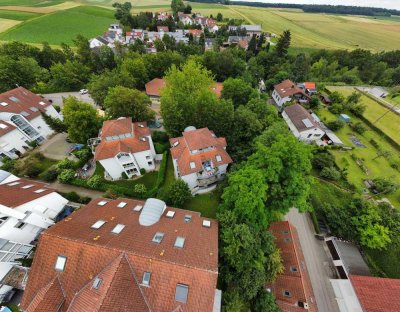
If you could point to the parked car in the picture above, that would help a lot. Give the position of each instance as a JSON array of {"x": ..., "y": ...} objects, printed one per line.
[{"x": 83, "y": 91}]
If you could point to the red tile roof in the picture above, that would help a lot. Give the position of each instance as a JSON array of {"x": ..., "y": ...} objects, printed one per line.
[
  {"x": 297, "y": 283},
  {"x": 310, "y": 85},
  {"x": 195, "y": 32},
  {"x": 21, "y": 100},
  {"x": 6, "y": 127},
  {"x": 377, "y": 294},
  {"x": 154, "y": 87},
  {"x": 195, "y": 140},
  {"x": 121, "y": 259},
  {"x": 288, "y": 88},
  {"x": 138, "y": 142},
  {"x": 13, "y": 195},
  {"x": 162, "y": 28}
]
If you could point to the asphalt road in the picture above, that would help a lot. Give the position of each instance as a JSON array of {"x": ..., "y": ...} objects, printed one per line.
[
  {"x": 317, "y": 261},
  {"x": 57, "y": 98}
]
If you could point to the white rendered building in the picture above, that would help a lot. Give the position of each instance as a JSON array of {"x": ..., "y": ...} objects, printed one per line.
[
  {"x": 287, "y": 91},
  {"x": 200, "y": 159},
  {"x": 26, "y": 209},
  {"x": 21, "y": 121},
  {"x": 302, "y": 124},
  {"x": 124, "y": 147}
]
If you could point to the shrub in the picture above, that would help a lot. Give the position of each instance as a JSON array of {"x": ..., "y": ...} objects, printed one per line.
[
  {"x": 336, "y": 109},
  {"x": 124, "y": 176},
  {"x": 29, "y": 167},
  {"x": 394, "y": 165},
  {"x": 8, "y": 164},
  {"x": 335, "y": 125},
  {"x": 66, "y": 164},
  {"x": 374, "y": 143},
  {"x": 178, "y": 193},
  {"x": 140, "y": 189},
  {"x": 110, "y": 193},
  {"x": 358, "y": 127},
  {"x": 66, "y": 175},
  {"x": 83, "y": 154},
  {"x": 160, "y": 137},
  {"x": 322, "y": 160},
  {"x": 384, "y": 186},
  {"x": 50, "y": 175},
  {"x": 142, "y": 171},
  {"x": 160, "y": 148},
  {"x": 330, "y": 173},
  {"x": 95, "y": 182}
]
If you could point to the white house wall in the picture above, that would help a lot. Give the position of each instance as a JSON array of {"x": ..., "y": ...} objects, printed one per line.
[
  {"x": 314, "y": 133},
  {"x": 279, "y": 100},
  {"x": 191, "y": 180},
  {"x": 143, "y": 162},
  {"x": 41, "y": 126},
  {"x": 113, "y": 168},
  {"x": 51, "y": 111},
  {"x": 345, "y": 296},
  {"x": 291, "y": 125},
  {"x": 13, "y": 139}
]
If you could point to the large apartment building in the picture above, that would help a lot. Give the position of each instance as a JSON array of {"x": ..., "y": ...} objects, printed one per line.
[{"x": 126, "y": 255}]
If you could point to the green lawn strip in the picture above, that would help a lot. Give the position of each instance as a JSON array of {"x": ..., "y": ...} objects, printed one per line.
[
  {"x": 62, "y": 26},
  {"x": 206, "y": 204},
  {"x": 39, "y": 3},
  {"x": 17, "y": 15},
  {"x": 385, "y": 260}
]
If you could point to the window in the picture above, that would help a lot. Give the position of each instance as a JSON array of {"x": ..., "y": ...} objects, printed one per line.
[
  {"x": 24, "y": 113},
  {"x": 3, "y": 126},
  {"x": 179, "y": 242},
  {"x": 3, "y": 219},
  {"x": 146, "y": 278},
  {"x": 170, "y": 214},
  {"x": 118, "y": 228},
  {"x": 218, "y": 158},
  {"x": 97, "y": 282},
  {"x": 148, "y": 157},
  {"x": 181, "y": 293},
  {"x": 187, "y": 218},
  {"x": 3, "y": 104},
  {"x": 20, "y": 225},
  {"x": 98, "y": 224},
  {"x": 40, "y": 191},
  {"x": 287, "y": 293},
  {"x": 158, "y": 237},
  {"x": 60, "y": 263},
  {"x": 27, "y": 186},
  {"x": 293, "y": 269},
  {"x": 121, "y": 205},
  {"x": 33, "y": 109},
  {"x": 150, "y": 163},
  {"x": 13, "y": 183},
  {"x": 309, "y": 136},
  {"x": 14, "y": 99},
  {"x": 192, "y": 165},
  {"x": 102, "y": 203},
  {"x": 287, "y": 239},
  {"x": 206, "y": 223},
  {"x": 138, "y": 208},
  {"x": 285, "y": 232}
]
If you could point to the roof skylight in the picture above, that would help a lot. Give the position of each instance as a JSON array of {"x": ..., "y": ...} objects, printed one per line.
[
  {"x": 179, "y": 242},
  {"x": 158, "y": 237},
  {"x": 3, "y": 104},
  {"x": 218, "y": 158},
  {"x": 170, "y": 214},
  {"x": 181, "y": 293},
  {"x": 187, "y": 218},
  {"x": 13, "y": 183},
  {"x": 98, "y": 224},
  {"x": 121, "y": 205},
  {"x": 118, "y": 228},
  {"x": 138, "y": 208},
  {"x": 27, "y": 186},
  {"x": 102, "y": 203},
  {"x": 97, "y": 282},
  {"x": 60, "y": 263},
  {"x": 3, "y": 126},
  {"x": 207, "y": 223},
  {"x": 40, "y": 191},
  {"x": 192, "y": 165}
]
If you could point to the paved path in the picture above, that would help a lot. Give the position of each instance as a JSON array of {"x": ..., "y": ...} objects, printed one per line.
[
  {"x": 56, "y": 147},
  {"x": 317, "y": 261},
  {"x": 66, "y": 188}
]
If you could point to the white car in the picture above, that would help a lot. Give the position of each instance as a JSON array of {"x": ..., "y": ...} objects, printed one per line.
[{"x": 83, "y": 91}]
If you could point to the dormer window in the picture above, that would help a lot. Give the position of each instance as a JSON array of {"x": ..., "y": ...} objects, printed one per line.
[
  {"x": 97, "y": 282},
  {"x": 146, "y": 278},
  {"x": 187, "y": 218}
]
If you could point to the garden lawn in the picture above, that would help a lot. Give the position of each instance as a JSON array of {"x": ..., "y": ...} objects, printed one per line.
[
  {"x": 62, "y": 26},
  {"x": 377, "y": 167},
  {"x": 386, "y": 260},
  {"x": 389, "y": 124},
  {"x": 206, "y": 204}
]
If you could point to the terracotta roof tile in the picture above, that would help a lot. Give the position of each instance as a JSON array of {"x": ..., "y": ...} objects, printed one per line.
[
  {"x": 21, "y": 100},
  {"x": 48, "y": 298},
  {"x": 377, "y": 294},
  {"x": 309, "y": 85},
  {"x": 297, "y": 114},
  {"x": 137, "y": 143},
  {"x": 195, "y": 140},
  {"x": 154, "y": 86},
  {"x": 13, "y": 195},
  {"x": 297, "y": 283},
  {"x": 92, "y": 253},
  {"x": 288, "y": 88},
  {"x": 6, "y": 127}
]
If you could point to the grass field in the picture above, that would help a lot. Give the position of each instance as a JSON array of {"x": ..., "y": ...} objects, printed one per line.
[
  {"x": 7, "y": 24},
  {"x": 389, "y": 124},
  {"x": 62, "y": 26},
  {"x": 17, "y": 15},
  {"x": 377, "y": 167}
]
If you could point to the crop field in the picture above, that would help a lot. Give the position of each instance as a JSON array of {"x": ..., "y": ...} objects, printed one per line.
[
  {"x": 6, "y": 24},
  {"x": 62, "y": 26},
  {"x": 17, "y": 15},
  {"x": 389, "y": 124}
]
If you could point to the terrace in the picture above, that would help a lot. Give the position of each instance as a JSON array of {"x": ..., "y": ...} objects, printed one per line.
[{"x": 209, "y": 171}]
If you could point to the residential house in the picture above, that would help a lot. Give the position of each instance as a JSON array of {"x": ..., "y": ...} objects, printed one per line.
[
  {"x": 124, "y": 147},
  {"x": 250, "y": 29},
  {"x": 287, "y": 91},
  {"x": 240, "y": 41},
  {"x": 302, "y": 124},
  {"x": 131, "y": 36},
  {"x": 355, "y": 288},
  {"x": 126, "y": 255},
  {"x": 186, "y": 19},
  {"x": 26, "y": 209},
  {"x": 196, "y": 33},
  {"x": 309, "y": 87},
  {"x": 206, "y": 22},
  {"x": 200, "y": 159},
  {"x": 163, "y": 16},
  {"x": 164, "y": 29},
  {"x": 98, "y": 42},
  {"x": 292, "y": 288},
  {"x": 115, "y": 28},
  {"x": 154, "y": 87},
  {"x": 21, "y": 121},
  {"x": 325, "y": 99}
]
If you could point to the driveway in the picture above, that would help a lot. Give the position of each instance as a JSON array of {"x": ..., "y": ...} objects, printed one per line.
[
  {"x": 66, "y": 188},
  {"x": 317, "y": 261},
  {"x": 56, "y": 147},
  {"x": 57, "y": 98}
]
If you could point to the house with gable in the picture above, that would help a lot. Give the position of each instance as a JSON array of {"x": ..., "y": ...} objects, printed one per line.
[
  {"x": 200, "y": 159},
  {"x": 21, "y": 121},
  {"x": 124, "y": 147},
  {"x": 126, "y": 255},
  {"x": 287, "y": 91}
]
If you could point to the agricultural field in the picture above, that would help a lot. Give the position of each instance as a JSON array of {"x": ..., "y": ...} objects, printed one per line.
[
  {"x": 363, "y": 163},
  {"x": 62, "y": 26},
  {"x": 389, "y": 124}
]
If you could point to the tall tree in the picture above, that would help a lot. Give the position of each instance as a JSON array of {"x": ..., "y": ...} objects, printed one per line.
[
  {"x": 135, "y": 69},
  {"x": 124, "y": 102},
  {"x": 237, "y": 90},
  {"x": 81, "y": 119},
  {"x": 283, "y": 44},
  {"x": 70, "y": 76}
]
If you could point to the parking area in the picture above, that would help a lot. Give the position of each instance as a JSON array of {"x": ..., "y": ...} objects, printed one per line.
[{"x": 57, "y": 147}]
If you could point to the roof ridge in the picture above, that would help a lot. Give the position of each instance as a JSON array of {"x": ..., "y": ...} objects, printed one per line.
[{"x": 133, "y": 253}]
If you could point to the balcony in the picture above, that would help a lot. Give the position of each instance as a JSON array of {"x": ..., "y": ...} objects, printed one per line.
[{"x": 208, "y": 171}]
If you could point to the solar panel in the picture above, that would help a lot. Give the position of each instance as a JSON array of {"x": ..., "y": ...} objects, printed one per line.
[{"x": 307, "y": 122}]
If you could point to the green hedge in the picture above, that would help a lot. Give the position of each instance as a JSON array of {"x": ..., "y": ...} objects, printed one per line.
[{"x": 160, "y": 178}]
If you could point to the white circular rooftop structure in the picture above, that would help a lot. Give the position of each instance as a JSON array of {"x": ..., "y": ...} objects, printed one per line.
[
  {"x": 152, "y": 211},
  {"x": 190, "y": 128}
]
